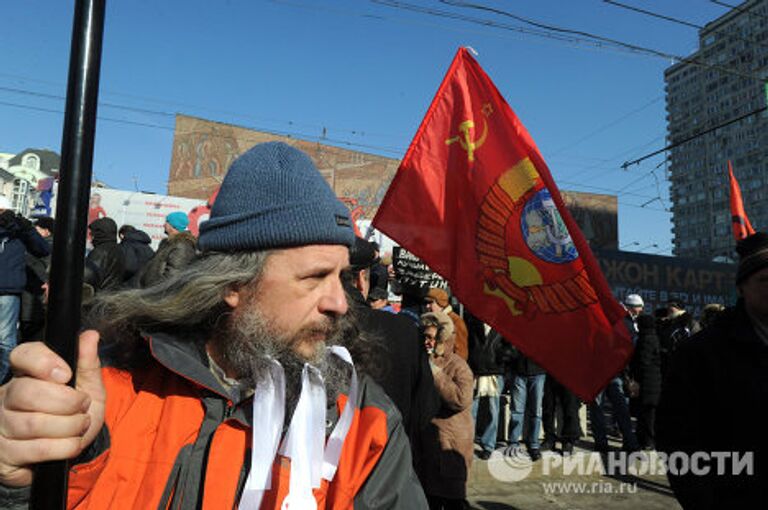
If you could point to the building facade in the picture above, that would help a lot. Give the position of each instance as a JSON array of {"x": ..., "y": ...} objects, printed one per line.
[
  {"x": 204, "y": 149},
  {"x": 27, "y": 178},
  {"x": 724, "y": 80}
]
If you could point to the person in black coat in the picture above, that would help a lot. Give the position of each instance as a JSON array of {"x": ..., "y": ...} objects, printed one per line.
[
  {"x": 714, "y": 395},
  {"x": 17, "y": 238},
  {"x": 676, "y": 326},
  {"x": 645, "y": 369},
  {"x": 489, "y": 355},
  {"x": 106, "y": 257},
  {"x": 174, "y": 254},
  {"x": 136, "y": 250},
  {"x": 379, "y": 276},
  {"x": 32, "y": 315},
  {"x": 527, "y": 382},
  {"x": 405, "y": 376},
  {"x": 560, "y": 416}
]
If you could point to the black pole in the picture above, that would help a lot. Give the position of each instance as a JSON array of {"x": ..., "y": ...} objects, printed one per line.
[{"x": 49, "y": 487}]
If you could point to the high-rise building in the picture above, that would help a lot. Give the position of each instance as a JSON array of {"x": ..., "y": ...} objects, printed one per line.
[{"x": 722, "y": 81}]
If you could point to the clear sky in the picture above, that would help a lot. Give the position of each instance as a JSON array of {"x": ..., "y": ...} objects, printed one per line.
[{"x": 362, "y": 74}]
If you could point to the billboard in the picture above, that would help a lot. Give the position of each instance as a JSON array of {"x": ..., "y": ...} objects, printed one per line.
[
  {"x": 145, "y": 211},
  {"x": 658, "y": 279}
]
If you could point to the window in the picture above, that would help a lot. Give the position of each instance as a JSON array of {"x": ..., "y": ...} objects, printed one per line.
[
  {"x": 19, "y": 195},
  {"x": 31, "y": 161}
]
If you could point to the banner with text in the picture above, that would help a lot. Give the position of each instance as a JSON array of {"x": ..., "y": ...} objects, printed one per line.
[{"x": 658, "y": 279}]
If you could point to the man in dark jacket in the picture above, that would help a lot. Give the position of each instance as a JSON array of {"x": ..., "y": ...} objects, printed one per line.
[
  {"x": 136, "y": 250},
  {"x": 714, "y": 394},
  {"x": 32, "y": 316},
  {"x": 17, "y": 237},
  {"x": 405, "y": 375},
  {"x": 488, "y": 353},
  {"x": 675, "y": 327},
  {"x": 106, "y": 257},
  {"x": 174, "y": 253},
  {"x": 560, "y": 416},
  {"x": 379, "y": 276},
  {"x": 527, "y": 381},
  {"x": 645, "y": 369}
]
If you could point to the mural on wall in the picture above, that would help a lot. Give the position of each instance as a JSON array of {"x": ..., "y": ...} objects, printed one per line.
[
  {"x": 203, "y": 151},
  {"x": 203, "y": 154}
]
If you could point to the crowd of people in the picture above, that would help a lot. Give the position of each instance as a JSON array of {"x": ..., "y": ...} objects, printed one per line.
[
  {"x": 115, "y": 260},
  {"x": 263, "y": 365}
]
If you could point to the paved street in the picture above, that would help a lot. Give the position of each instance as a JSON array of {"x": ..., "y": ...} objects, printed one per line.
[{"x": 492, "y": 485}]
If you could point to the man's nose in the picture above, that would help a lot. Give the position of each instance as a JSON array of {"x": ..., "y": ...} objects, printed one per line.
[{"x": 334, "y": 301}]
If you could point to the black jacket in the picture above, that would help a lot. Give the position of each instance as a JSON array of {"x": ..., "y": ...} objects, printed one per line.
[
  {"x": 406, "y": 378},
  {"x": 645, "y": 366},
  {"x": 671, "y": 331},
  {"x": 17, "y": 237},
  {"x": 32, "y": 308},
  {"x": 379, "y": 277},
  {"x": 488, "y": 354},
  {"x": 173, "y": 254},
  {"x": 106, "y": 259},
  {"x": 136, "y": 251},
  {"x": 713, "y": 401},
  {"x": 522, "y": 365}
]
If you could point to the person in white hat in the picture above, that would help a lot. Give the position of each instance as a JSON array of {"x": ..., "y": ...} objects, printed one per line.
[{"x": 634, "y": 304}]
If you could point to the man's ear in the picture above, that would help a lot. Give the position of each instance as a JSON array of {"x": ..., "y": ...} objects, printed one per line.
[
  {"x": 232, "y": 297},
  {"x": 359, "y": 280}
]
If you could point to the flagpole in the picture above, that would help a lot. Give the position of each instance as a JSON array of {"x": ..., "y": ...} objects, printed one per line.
[{"x": 49, "y": 487}]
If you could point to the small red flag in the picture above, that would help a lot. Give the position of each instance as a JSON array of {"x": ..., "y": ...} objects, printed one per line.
[
  {"x": 739, "y": 221},
  {"x": 474, "y": 199}
]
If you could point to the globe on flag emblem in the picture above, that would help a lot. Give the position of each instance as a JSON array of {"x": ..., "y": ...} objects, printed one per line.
[{"x": 544, "y": 230}]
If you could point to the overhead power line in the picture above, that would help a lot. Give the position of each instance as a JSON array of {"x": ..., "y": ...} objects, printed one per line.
[
  {"x": 654, "y": 14},
  {"x": 290, "y": 134},
  {"x": 553, "y": 30},
  {"x": 240, "y": 115},
  {"x": 32, "y": 93},
  {"x": 608, "y": 125},
  {"x": 106, "y": 104},
  {"x": 681, "y": 21},
  {"x": 304, "y": 136},
  {"x": 692, "y": 137}
]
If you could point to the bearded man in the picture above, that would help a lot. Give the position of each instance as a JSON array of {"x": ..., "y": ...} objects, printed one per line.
[{"x": 238, "y": 381}]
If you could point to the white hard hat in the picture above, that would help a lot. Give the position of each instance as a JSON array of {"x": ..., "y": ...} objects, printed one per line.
[
  {"x": 4, "y": 202},
  {"x": 633, "y": 300}
]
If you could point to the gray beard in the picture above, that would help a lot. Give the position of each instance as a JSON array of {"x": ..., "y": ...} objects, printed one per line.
[{"x": 249, "y": 342}]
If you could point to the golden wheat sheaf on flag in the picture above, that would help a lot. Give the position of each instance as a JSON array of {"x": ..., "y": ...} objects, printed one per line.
[{"x": 519, "y": 194}]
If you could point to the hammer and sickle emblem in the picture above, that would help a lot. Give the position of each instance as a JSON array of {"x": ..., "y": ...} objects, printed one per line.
[{"x": 465, "y": 139}]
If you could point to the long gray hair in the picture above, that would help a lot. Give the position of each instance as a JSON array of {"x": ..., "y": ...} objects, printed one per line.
[{"x": 189, "y": 302}]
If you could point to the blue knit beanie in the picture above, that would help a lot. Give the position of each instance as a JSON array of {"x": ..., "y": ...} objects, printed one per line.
[
  {"x": 178, "y": 220},
  {"x": 274, "y": 197}
]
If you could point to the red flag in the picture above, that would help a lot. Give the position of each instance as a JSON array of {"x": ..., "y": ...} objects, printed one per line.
[
  {"x": 739, "y": 221},
  {"x": 474, "y": 199}
]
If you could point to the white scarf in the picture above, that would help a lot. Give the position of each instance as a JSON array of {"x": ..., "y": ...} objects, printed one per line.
[{"x": 312, "y": 458}]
